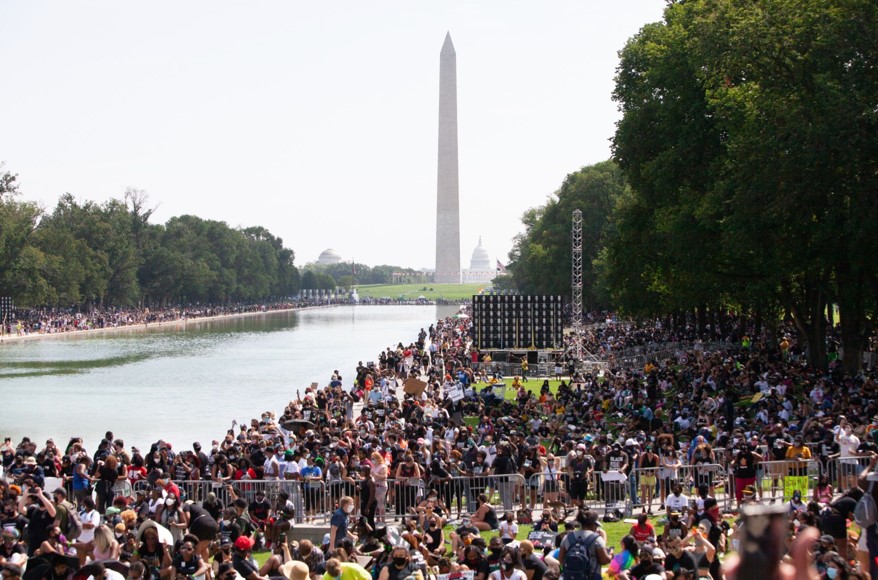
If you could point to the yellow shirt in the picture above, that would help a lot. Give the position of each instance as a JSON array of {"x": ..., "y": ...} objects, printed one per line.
[
  {"x": 793, "y": 453},
  {"x": 351, "y": 571}
]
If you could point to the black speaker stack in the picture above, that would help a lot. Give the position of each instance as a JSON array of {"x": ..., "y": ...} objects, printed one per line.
[{"x": 517, "y": 322}]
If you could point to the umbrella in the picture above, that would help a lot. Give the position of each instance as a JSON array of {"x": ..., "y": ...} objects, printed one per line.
[
  {"x": 165, "y": 536},
  {"x": 39, "y": 567},
  {"x": 296, "y": 424}
]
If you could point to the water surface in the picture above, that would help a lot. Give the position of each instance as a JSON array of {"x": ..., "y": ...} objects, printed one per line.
[{"x": 188, "y": 382}]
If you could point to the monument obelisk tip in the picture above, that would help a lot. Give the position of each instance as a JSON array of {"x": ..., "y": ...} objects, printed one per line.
[{"x": 447, "y": 46}]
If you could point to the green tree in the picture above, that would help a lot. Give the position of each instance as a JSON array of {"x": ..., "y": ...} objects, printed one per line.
[
  {"x": 540, "y": 260},
  {"x": 748, "y": 138},
  {"x": 20, "y": 264}
]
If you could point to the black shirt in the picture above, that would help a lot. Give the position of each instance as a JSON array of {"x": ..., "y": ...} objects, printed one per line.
[
  {"x": 642, "y": 570},
  {"x": 686, "y": 561},
  {"x": 39, "y": 522},
  {"x": 185, "y": 568},
  {"x": 243, "y": 566},
  {"x": 531, "y": 562}
]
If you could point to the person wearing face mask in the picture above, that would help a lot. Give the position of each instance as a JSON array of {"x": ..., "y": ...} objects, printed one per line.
[
  {"x": 339, "y": 523},
  {"x": 511, "y": 566},
  {"x": 508, "y": 528},
  {"x": 533, "y": 565},
  {"x": 744, "y": 468},
  {"x": 675, "y": 528},
  {"x": 399, "y": 567},
  {"x": 848, "y": 444},
  {"x": 434, "y": 538},
  {"x": 580, "y": 469},
  {"x": 170, "y": 515},
  {"x": 491, "y": 563},
  {"x": 11, "y": 518},
  {"x": 52, "y": 544}
]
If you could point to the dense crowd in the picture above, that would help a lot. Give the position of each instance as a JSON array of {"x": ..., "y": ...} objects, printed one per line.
[
  {"x": 30, "y": 321},
  {"x": 389, "y": 449}
]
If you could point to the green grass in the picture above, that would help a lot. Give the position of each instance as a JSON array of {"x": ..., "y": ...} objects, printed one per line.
[
  {"x": 428, "y": 291},
  {"x": 615, "y": 532}
]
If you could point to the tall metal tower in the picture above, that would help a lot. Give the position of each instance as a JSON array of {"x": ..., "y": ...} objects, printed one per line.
[{"x": 576, "y": 240}]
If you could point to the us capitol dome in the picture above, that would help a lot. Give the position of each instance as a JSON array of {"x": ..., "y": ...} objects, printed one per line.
[{"x": 480, "y": 267}]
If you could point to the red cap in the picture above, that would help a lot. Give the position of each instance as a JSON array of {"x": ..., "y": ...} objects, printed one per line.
[{"x": 243, "y": 543}]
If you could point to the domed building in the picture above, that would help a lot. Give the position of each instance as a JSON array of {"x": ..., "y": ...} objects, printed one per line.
[
  {"x": 480, "y": 267},
  {"x": 329, "y": 257}
]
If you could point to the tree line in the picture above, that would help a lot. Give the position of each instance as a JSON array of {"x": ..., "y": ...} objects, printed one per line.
[
  {"x": 85, "y": 254},
  {"x": 743, "y": 176}
]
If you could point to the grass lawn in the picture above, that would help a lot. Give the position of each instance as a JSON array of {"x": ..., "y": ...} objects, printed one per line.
[
  {"x": 615, "y": 532},
  {"x": 428, "y": 291}
]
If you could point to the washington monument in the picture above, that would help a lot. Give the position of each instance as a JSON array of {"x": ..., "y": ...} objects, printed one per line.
[{"x": 447, "y": 205}]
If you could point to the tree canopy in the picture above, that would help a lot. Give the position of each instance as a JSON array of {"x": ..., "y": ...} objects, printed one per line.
[
  {"x": 541, "y": 255},
  {"x": 748, "y": 138},
  {"x": 744, "y": 175},
  {"x": 85, "y": 253}
]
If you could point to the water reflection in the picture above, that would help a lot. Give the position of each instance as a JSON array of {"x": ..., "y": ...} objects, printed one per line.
[{"x": 187, "y": 381}]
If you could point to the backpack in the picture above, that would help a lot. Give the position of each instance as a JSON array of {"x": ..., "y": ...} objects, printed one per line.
[
  {"x": 866, "y": 511},
  {"x": 74, "y": 524},
  {"x": 578, "y": 564}
]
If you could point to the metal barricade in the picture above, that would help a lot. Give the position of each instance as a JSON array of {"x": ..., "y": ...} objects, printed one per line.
[
  {"x": 602, "y": 491},
  {"x": 402, "y": 496},
  {"x": 310, "y": 498},
  {"x": 649, "y": 487},
  {"x": 843, "y": 472},
  {"x": 777, "y": 480}
]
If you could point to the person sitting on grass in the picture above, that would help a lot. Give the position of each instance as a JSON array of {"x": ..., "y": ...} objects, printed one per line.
[
  {"x": 338, "y": 570},
  {"x": 458, "y": 536},
  {"x": 485, "y": 517}
]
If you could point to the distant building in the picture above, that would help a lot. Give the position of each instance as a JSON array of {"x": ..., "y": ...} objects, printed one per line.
[
  {"x": 329, "y": 257},
  {"x": 480, "y": 267}
]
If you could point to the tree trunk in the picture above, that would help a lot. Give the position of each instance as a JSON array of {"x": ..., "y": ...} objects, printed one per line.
[
  {"x": 853, "y": 336},
  {"x": 807, "y": 311},
  {"x": 852, "y": 315}
]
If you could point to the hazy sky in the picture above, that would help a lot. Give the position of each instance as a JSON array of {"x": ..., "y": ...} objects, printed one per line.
[{"x": 317, "y": 120}]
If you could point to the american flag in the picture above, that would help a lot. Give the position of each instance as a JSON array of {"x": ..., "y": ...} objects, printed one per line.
[{"x": 500, "y": 267}]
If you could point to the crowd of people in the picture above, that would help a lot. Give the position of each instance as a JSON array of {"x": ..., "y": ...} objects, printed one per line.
[
  {"x": 31, "y": 321},
  {"x": 424, "y": 442}
]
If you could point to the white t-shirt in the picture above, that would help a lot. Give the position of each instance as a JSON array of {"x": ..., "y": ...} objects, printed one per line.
[
  {"x": 92, "y": 517},
  {"x": 508, "y": 530},
  {"x": 270, "y": 466},
  {"x": 847, "y": 445},
  {"x": 676, "y": 504},
  {"x": 516, "y": 574}
]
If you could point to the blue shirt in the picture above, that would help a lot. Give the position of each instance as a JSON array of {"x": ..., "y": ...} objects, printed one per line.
[
  {"x": 311, "y": 471},
  {"x": 340, "y": 521}
]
